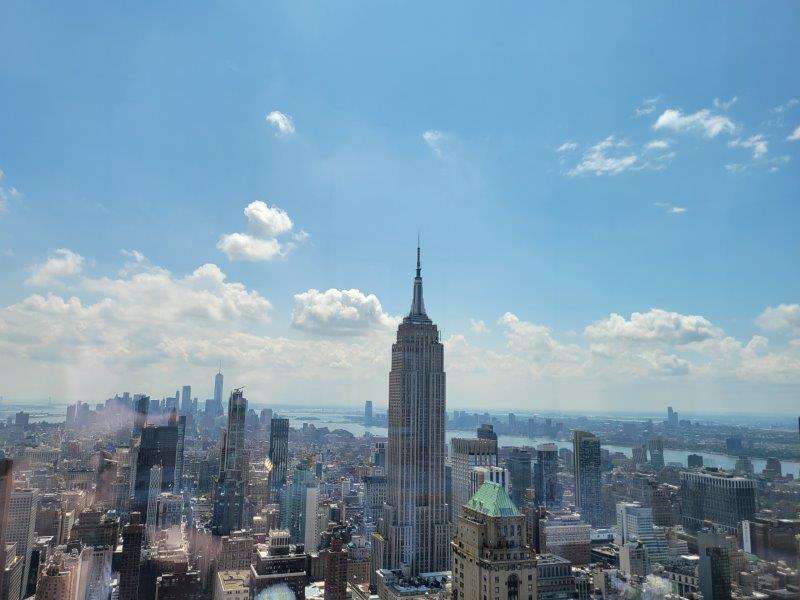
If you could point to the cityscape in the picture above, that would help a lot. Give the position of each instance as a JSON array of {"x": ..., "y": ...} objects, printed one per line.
[{"x": 399, "y": 300}]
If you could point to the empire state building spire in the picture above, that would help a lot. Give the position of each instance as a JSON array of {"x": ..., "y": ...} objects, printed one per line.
[{"x": 417, "y": 313}]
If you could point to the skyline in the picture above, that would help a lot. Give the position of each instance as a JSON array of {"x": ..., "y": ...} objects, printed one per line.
[{"x": 591, "y": 238}]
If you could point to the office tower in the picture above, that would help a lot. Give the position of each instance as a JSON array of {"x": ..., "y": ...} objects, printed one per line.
[
  {"x": 218, "y": 393},
  {"x": 229, "y": 499},
  {"x": 21, "y": 516},
  {"x": 672, "y": 417},
  {"x": 694, "y": 461},
  {"x": 416, "y": 520},
  {"x": 265, "y": 419},
  {"x": 299, "y": 508},
  {"x": 181, "y": 424},
  {"x": 744, "y": 465},
  {"x": 519, "y": 467},
  {"x": 169, "y": 510},
  {"x": 548, "y": 490},
  {"x": 158, "y": 446},
  {"x": 235, "y": 552},
  {"x": 142, "y": 404},
  {"x": 379, "y": 455},
  {"x": 588, "y": 482},
  {"x": 55, "y": 581},
  {"x": 465, "y": 454},
  {"x": 486, "y": 432},
  {"x": 715, "y": 565},
  {"x": 721, "y": 498},
  {"x": 490, "y": 527},
  {"x": 635, "y": 523},
  {"x": 480, "y": 475},
  {"x": 186, "y": 400},
  {"x": 555, "y": 579},
  {"x": 6, "y": 485},
  {"x": 773, "y": 468},
  {"x": 335, "y": 570},
  {"x": 132, "y": 538},
  {"x": 639, "y": 455},
  {"x": 566, "y": 535},
  {"x": 368, "y": 413},
  {"x": 278, "y": 452},
  {"x": 154, "y": 489},
  {"x": 374, "y": 497},
  {"x": 656, "y": 447},
  {"x": 633, "y": 559}
]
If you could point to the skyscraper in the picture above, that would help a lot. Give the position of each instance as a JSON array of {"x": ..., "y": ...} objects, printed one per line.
[
  {"x": 368, "y": 413},
  {"x": 186, "y": 400},
  {"x": 230, "y": 491},
  {"x": 465, "y": 454},
  {"x": 152, "y": 500},
  {"x": 723, "y": 499},
  {"x": 519, "y": 468},
  {"x": 142, "y": 405},
  {"x": 299, "y": 508},
  {"x": 158, "y": 446},
  {"x": 416, "y": 523},
  {"x": 588, "y": 482},
  {"x": 218, "y": 393},
  {"x": 278, "y": 452},
  {"x": 6, "y": 484},
  {"x": 548, "y": 490},
  {"x": 21, "y": 516},
  {"x": 656, "y": 447},
  {"x": 132, "y": 537}
]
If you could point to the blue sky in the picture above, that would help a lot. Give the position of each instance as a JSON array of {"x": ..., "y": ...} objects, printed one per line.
[{"x": 146, "y": 130}]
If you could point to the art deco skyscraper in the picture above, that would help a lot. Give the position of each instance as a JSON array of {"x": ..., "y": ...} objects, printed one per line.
[
  {"x": 416, "y": 527},
  {"x": 230, "y": 489}
]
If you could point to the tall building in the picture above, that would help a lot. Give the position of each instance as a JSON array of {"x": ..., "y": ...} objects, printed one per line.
[
  {"x": 492, "y": 557},
  {"x": 299, "y": 508},
  {"x": 335, "y": 571},
  {"x": 368, "y": 413},
  {"x": 278, "y": 452},
  {"x": 229, "y": 497},
  {"x": 486, "y": 432},
  {"x": 519, "y": 467},
  {"x": 721, "y": 498},
  {"x": 55, "y": 581},
  {"x": 154, "y": 490},
  {"x": 218, "y": 393},
  {"x": 588, "y": 481},
  {"x": 142, "y": 408},
  {"x": 465, "y": 454},
  {"x": 635, "y": 523},
  {"x": 656, "y": 447},
  {"x": 21, "y": 516},
  {"x": 694, "y": 461},
  {"x": 132, "y": 538},
  {"x": 6, "y": 484},
  {"x": 715, "y": 565},
  {"x": 545, "y": 481},
  {"x": 186, "y": 400},
  {"x": 158, "y": 446},
  {"x": 416, "y": 523}
]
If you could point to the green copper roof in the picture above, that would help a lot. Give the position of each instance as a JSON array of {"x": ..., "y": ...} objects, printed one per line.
[{"x": 492, "y": 500}]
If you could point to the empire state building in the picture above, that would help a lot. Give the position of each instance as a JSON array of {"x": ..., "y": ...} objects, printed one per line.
[{"x": 415, "y": 526}]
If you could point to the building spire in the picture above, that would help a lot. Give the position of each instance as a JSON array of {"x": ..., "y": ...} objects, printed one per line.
[{"x": 417, "y": 313}]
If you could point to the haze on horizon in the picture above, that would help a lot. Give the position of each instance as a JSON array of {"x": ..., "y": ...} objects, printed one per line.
[{"x": 608, "y": 222}]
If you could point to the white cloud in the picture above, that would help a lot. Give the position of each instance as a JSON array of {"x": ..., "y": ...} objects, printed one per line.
[
  {"x": 267, "y": 221},
  {"x": 656, "y": 145},
  {"x": 670, "y": 208},
  {"x": 781, "y": 318},
  {"x": 756, "y": 143},
  {"x": 789, "y": 104},
  {"x": 647, "y": 106},
  {"x": 794, "y": 136},
  {"x": 725, "y": 105},
  {"x": 266, "y": 224},
  {"x": 598, "y": 159},
  {"x": 339, "y": 312},
  {"x": 567, "y": 146},
  {"x": 7, "y": 193},
  {"x": 62, "y": 264},
  {"x": 281, "y": 121},
  {"x": 478, "y": 327},
  {"x": 703, "y": 121},
  {"x": 435, "y": 141},
  {"x": 656, "y": 325}
]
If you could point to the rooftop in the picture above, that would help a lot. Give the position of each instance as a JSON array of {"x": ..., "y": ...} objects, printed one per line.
[{"x": 492, "y": 500}]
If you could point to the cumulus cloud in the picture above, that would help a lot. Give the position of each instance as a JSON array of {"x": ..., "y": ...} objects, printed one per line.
[
  {"x": 435, "y": 141},
  {"x": 781, "y": 318},
  {"x": 282, "y": 123},
  {"x": 756, "y": 143},
  {"x": 607, "y": 157},
  {"x": 655, "y": 325},
  {"x": 340, "y": 312},
  {"x": 64, "y": 263},
  {"x": 794, "y": 136},
  {"x": 478, "y": 327},
  {"x": 703, "y": 121},
  {"x": 266, "y": 224}
]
